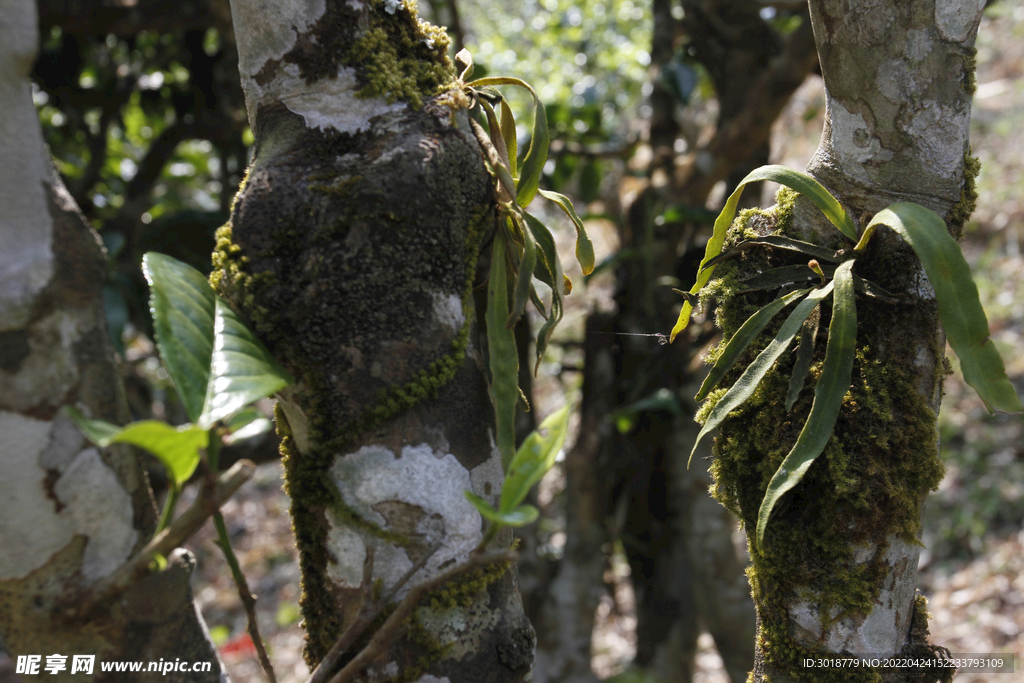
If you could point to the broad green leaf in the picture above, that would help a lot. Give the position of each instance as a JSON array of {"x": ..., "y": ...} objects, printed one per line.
[
  {"x": 741, "y": 340},
  {"x": 537, "y": 154},
  {"x": 547, "y": 247},
  {"x": 534, "y": 458},
  {"x": 508, "y": 132},
  {"x": 521, "y": 516},
  {"x": 959, "y": 306},
  {"x": 828, "y": 397},
  {"x": 744, "y": 387},
  {"x": 804, "y": 355},
  {"x": 242, "y": 370},
  {"x": 503, "y": 358},
  {"x": 527, "y": 264},
  {"x": 176, "y": 447},
  {"x": 182, "y": 303},
  {"x": 802, "y": 183},
  {"x": 584, "y": 247}
]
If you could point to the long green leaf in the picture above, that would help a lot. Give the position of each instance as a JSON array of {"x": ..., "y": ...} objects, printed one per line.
[
  {"x": 176, "y": 447},
  {"x": 182, "y": 303},
  {"x": 745, "y": 386},
  {"x": 959, "y": 306},
  {"x": 521, "y": 516},
  {"x": 527, "y": 264},
  {"x": 779, "y": 242},
  {"x": 495, "y": 133},
  {"x": 741, "y": 340},
  {"x": 804, "y": 355},
  {"x": 537, "y": 154},
  {"x": 584, "y": 247},
  {"x": 802, "y": 183},
  {"x": 508, "y": 132},
  {"x": 547, "y": 247},
  {"x": 534, "y": 458},
  {"x": 502, "y": 355},
  {"x": 241, "y": 370},
  {"x": 828, "y": 397}
]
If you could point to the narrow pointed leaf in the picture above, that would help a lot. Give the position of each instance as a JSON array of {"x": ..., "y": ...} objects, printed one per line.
[
  {"x": 584, "y": 247},
  {"x": 959, "y": 306},
  {"x": 494, "y": 131},
  {"x": 508, "y": 133},
  {"x": 504, "y": 176},
  {"x": 521, "y": 516},
  {"x": 779, "y": 242},
  {"x": 745, "y": 386},
  {"x": 534, "y": 458},
  {"x": 828, "y": 397},
  {"x": 741, "y": 340},
  {"x": 804, "y": 355},
  {"x": 502, "y": 355},
  {"x": 547, "y": 246},
  {"x": 176, "y": 447},
  {"x": 802, "y": 183},
  {"x": 241, "y": 371},
  {"x": 182, "y": 304},
  {"x": 527, "y": 264},
  {"x": 782, "y": 276}
]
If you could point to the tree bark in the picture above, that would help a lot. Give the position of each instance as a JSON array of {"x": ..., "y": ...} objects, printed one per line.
[
  {"x": 838, "y": 571},
  {"x": 70, "y": 514},
  {"x": 351, "y": 249}
]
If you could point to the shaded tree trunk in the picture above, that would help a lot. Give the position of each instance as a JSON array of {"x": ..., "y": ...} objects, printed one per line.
[
  {"x": 352, "y": 249},
  {"x": 70, "y": 514}
]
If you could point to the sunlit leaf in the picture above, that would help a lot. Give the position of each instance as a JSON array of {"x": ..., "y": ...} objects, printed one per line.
[
  {"x": 739, "y": 342},
  {"x": 176, "y": 447},
  {"x": 828, "y": 397},
  {"x": 547, "y": 247},
  {"x": 802, "y": 183},
  {"x": 501, "y": 351},
  {"x": 534, "y": 458},
  {"x": 584, "y": 247},
  {"x": 494, "y": 131},
  {"x": 521, "y": 516},
  {"x": 527, "y": 264},
  {"x": 183, "y": 304},
  {"x": 508, "y": 133},
  {"x": 744, "y": 387},
  {"x": 959, "y": 306}
]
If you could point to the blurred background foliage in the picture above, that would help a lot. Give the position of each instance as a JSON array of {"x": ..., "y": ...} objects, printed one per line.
[{"x": 143, "y": 113}]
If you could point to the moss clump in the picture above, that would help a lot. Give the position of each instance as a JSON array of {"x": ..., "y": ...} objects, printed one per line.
[
  {"x": 867, "y": 487},
  {"x": 401, "y": 57},
  {"x": 970, "y": 71},
  {"x": 962, "y": 210}
]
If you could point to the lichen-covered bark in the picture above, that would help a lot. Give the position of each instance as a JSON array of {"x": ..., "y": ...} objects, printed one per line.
[
  {"x": 352, "y": 251},
  {"x": 839, "y": 567},
  {"x": 70, "y": 514}
]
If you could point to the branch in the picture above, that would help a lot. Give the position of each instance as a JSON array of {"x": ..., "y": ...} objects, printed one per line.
[
  {"x": 392, "y": 628},
  {"x": 107, "y": 589}
]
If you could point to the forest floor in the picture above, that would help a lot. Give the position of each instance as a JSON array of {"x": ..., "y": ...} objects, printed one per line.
[{"x": 973, "y": 569}]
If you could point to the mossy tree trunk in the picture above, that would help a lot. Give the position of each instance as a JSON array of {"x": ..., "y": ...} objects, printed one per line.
[
  {"x": 351, "y": 249},
  {"x": 70, "y": 514},
  {"x": 838, "y": 570}
]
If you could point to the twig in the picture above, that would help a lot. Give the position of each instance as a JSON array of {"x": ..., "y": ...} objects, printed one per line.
[
  {"x": 367, "y": 612},
  {"x": 391, "y": 628},
  {"x": 81, "y": 605}
]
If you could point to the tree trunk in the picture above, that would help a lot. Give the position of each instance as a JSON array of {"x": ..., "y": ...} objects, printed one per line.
[
  {"x": 838, "y": 570},
  {"x": 70, "y": 514},
  {"x": 352, "y": 249}
]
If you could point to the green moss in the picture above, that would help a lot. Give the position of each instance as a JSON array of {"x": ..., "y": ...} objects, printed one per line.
[
  {"x": 400, "y": 57},
  {"x": 865, "y": 488},
  {"x": 962, "y": 210},
  {"x": 970, "y": 71}
]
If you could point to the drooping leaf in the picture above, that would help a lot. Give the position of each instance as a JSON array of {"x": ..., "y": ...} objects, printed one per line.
[
  {"x": 182, "y": 304},
  {"x": 534, "y": 458},
  {"x": 242, "y": 370},
  {"x": 547, "y": 247},
  {"x": 741, "y": 340},
  {"x": 802, "y": 183},
  {"x": 744, "y": 387},
  {"x": 495, "y": 134},
  {"x": 527, "y": 264},
  {"x": 176, "y": 447},
  {"x": 828, "y": 397},
  {"x": 520, "y": 516},
  {"x": 537, "y": 154},
  {"x": 508, "y": 132},
  {"x": 804, "y": 355},
  {"x": 502, "y": 355},
  {"x": 959, "y": 306},
  {"x": 584, "y": 247}
]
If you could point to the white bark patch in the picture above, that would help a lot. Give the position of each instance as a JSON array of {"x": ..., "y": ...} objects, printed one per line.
[
  {"x": 267, "y": 29},
  {"x": 957, "y": 19},
  {"x": 448, "y": 310},
  {"x": 853, "y": 142},
  {"x": 940, "y": 133},
  {"x": 329, "y": 103},
  {"x": 94, "y": 504},
  {"x": 421, "y": 477},
  {"x": 348, "y": 548},
  {"x": 895, "y": 79},
  {"x": 919, "y": 44}
]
